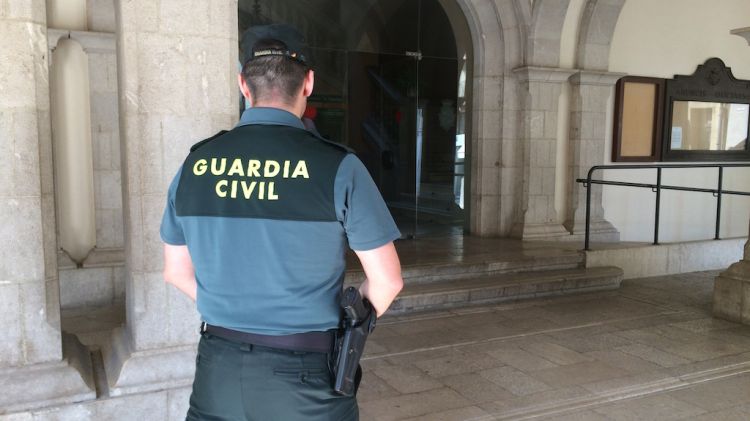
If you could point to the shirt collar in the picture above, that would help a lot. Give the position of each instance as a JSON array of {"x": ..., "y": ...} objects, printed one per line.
[{"x": 267, "y": 115}]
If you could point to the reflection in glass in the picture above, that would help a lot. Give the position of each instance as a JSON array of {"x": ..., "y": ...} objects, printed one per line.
[
  {"x": 460, "y": 155},
  {"x": 375, "y": 26},
  {"x": 709, "y": 126}
]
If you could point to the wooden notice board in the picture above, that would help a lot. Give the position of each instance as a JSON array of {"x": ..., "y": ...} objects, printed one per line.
[{"x": 638, "y": 111}]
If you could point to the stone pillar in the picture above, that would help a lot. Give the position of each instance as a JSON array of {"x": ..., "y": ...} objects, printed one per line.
[
  {"x": 732, "y": 291},
  {"x": 536, "y": 217},
  {"x": 588, "y": 134},
  {"x": 177, "y": 81},
  {"x": 732, "y": 287},
  {"x": 38, "y": 366}
]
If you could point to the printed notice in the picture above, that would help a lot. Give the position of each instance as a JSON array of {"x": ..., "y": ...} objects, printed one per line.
[{"x": 676, "y": 142}]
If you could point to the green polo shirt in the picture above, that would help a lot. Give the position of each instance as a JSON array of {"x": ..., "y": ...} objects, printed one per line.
[{"x": 276, "y": 268}]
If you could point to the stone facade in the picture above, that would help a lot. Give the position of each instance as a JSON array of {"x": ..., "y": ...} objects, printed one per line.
[
  {"x": 732, "y": 291},
  {"x": 536, "y": 217},
  {"x": 170, "y": 82},
  {"x": 177, "y": 86},
  {"x": 102, "y": 273},
  {"x": 591, "y": 92},
  {"x": 732, "y": 287},
  {"x": 38, "y": 364}
]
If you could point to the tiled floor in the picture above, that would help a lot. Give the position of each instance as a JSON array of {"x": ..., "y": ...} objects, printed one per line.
[
  {"x": 649, "y": 351},
  {"x": 468, "y": 249}
]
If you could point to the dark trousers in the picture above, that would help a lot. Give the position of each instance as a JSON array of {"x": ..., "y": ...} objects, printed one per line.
[{"x": 235, "y": 381}]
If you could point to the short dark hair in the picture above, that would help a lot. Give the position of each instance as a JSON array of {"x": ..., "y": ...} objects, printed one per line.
[{"x": 273, "y": 76}]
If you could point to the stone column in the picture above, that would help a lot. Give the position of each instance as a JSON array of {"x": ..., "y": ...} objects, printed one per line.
[
  {"x": 177, "y": 81},
  {"x": 536, "y": 217},
  {"x": 732, "y": 291},
  {"x": 588, "y": 134},
  {"x": 732, "y": 287},
  {"x": 38, "y": 366}
]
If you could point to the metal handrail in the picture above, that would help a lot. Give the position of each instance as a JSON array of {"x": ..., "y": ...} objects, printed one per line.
[{"x": 657, "y": 188}]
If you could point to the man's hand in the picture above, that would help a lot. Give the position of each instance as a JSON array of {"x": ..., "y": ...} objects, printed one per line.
[
  {"x": 178, "y": 269},
  {"x": 383, "y": 271}
]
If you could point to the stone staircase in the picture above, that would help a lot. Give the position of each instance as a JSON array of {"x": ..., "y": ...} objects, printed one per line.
[{"x": 435, "y": 286}]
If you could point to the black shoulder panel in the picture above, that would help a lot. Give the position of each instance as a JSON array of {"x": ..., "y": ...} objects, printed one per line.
[
  {"x": 332, "y": 143},
  {"x": 261, "y": 171},
  {"x": 204, "y": 141}
]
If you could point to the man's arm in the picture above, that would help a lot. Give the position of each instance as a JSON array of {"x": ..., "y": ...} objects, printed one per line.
[
  {"x": 178, "y": 269},
  {"x": 383, "y": 271}
]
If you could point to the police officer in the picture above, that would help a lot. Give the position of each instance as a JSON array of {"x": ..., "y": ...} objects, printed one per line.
[{"x": 255, "y": 230}]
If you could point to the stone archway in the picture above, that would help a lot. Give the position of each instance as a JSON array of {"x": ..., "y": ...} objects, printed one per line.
[
  {"x": 591, "y": 89},
  {"x": 39, "y": 363},
  {"x": 497, "y": 33},
  {"x": 547, "y": 19},
  {"x": 540, "y": 83},
  {"x": 595, "y": 36}
]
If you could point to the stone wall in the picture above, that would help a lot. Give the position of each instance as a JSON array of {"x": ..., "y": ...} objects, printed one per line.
[
  {"x": 29, "y": 270},
  {"x": 100, "y": 280},
  {"x": 177, "y": 84},
  {"x": 32, "y": 366},
  {"x": 175, "y": 70}
]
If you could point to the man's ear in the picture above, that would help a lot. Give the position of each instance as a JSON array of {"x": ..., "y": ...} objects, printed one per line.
[
  {"x": 307, "y": 86},
  {"x": 244, "y": 89}
]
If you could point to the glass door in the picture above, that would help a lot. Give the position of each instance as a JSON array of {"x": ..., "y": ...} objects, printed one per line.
[
  {"x": 440, "y": 149},
  {"x": 388, "y": 84},
  {"x": 403, "y": 123},
  {"x": 384, "y": 129}
]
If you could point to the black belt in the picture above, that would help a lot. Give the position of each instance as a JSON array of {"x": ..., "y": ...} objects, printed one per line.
[{"x": 303, "y": 342}]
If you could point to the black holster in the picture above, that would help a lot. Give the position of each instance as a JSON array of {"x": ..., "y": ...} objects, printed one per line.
[{"x": 358, "y": 321}]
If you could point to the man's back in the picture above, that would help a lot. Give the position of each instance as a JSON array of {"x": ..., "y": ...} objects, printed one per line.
[
  {"x": 255, "y": 229},
  {"x": 257, "y": 208}
]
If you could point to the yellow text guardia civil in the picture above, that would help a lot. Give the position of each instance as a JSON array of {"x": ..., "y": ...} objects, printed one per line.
[{"x": 250, "y": 168}]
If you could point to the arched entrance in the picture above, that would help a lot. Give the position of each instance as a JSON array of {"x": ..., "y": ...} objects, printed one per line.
[{"x": 391, "y": 83}]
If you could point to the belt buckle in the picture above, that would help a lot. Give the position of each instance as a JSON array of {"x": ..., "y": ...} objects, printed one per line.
[{"x": 202, "y": 329}]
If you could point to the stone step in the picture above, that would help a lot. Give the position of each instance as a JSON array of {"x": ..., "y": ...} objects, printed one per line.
[
  {"x": 503, "y": 287},
  {"x": 478, "y": 267}
]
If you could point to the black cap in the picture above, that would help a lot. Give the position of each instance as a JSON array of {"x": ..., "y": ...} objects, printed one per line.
[{"x": 294, "y": 42}]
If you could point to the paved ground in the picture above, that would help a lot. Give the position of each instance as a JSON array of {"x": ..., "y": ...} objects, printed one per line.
[{"x": 649, "y": 351}]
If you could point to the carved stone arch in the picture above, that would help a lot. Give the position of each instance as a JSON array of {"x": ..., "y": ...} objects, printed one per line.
[
  {"x": 91, "y": 42},
  {"x": 597, "y": 27},
  {"x": 591, "y": 88},
  {"x": 523, "y": 12},
  {"x": 484, "y": 25},
  {"x": 545, "y": 29},
  {"x": 497, "y": 35},
  {"x": 497, "y": 31}
]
